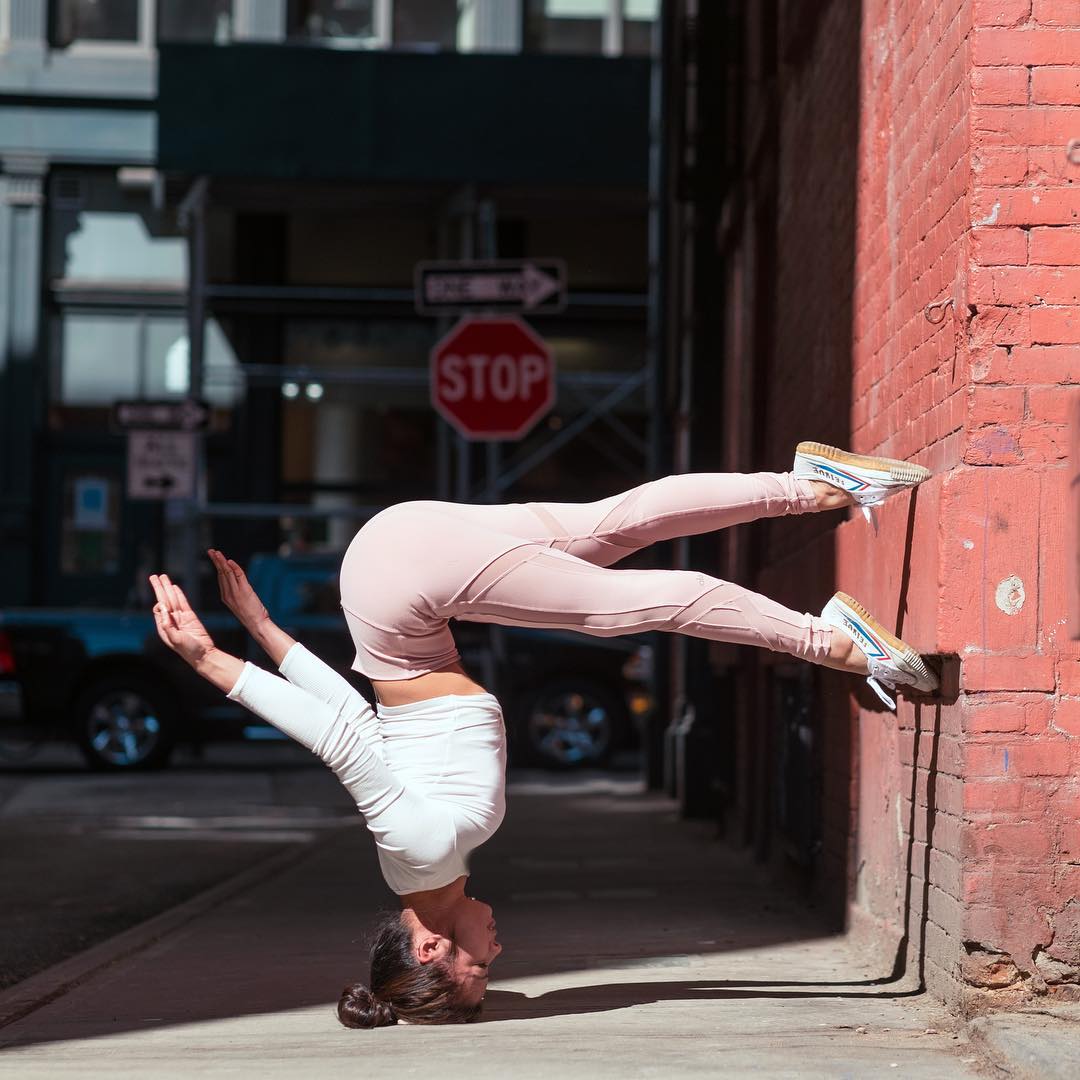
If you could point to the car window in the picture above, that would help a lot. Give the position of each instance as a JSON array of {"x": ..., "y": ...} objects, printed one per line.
[{"x": 307, "y": 591}]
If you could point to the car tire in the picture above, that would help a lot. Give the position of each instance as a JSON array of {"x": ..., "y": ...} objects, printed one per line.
[
  {"x": 124, "y": 722},
  {"x": 570, "y": 724}
]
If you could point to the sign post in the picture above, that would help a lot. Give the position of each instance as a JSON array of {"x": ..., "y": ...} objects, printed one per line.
[{"x": 492, "y": 378}]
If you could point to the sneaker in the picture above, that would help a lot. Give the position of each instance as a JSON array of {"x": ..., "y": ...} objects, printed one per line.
[
  {"x": 891, "y": 661},
  {"x": 869, "y": 480}
]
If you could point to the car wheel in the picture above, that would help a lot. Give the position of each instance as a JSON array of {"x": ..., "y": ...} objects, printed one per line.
[
  {"x": 572, "y": 723},
  {"x": 124, "y": 722}
]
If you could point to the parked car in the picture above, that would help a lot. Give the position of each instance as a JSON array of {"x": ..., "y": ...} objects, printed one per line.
[{"x": 105, "y": 679}]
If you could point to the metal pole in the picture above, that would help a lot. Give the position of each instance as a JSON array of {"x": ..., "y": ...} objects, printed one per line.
[{"x": 192, "y": 212}]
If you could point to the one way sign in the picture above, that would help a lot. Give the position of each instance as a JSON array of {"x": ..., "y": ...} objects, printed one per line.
[
  {"x": 445, "y": 288},
  {"x": 161, "y": 465}
]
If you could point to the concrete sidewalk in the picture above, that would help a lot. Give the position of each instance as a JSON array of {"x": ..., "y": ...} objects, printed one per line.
[{"x": 635, "y": 945}]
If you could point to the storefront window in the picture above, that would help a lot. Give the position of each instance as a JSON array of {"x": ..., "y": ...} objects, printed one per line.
[
  {"x": 566, "y": 26},
  {"x": 98, "y": 20},
  {"x": 426, "y": 23},
  {"x": 333, "y": 19},
  {"x": 105, "y": 357},
  {"x": 117, "y": 246},
  {"x": 611, "y": 27},
  {"x": 195, "y": 20}
]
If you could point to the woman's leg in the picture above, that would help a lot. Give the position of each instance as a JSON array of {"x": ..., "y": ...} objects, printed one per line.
[
  {"x": 685, "y": 505},
  {"x": 540, "y": 587}
]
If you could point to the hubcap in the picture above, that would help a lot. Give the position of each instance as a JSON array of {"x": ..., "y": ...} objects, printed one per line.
[
  {"x": 570, "y": 727},
  {"x": 123, "y": 728}
]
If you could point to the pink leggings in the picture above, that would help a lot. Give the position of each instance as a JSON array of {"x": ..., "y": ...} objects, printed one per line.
[{"x": 416, "y": 565}]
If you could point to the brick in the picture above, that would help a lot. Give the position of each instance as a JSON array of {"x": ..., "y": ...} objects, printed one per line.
[
  {"x": 1041, "y": 758},
  {"x": 1067, "y": 716},
  {"x": 1068, "y": 676},
  {"x": 1051, "y": 167},
  {"x": 1049, "y": 404},
  {"x": 1058, "y": 246},
  {"x": 1025, "y": 285},
  {"x": 1053, "y": 85},
  {"x": 1016, "y": 712},
  {"x": 992, "y": 47},
  {"x": 1001, "y": 12},
  {"x": 1028, "y": 672},
  {"x": 994, "y": 405},
  {"x": 1055, "y": 326},
  {"x": 1055, "y": 12},
  {"x": 1027, "y": 841},
  {"x": 1040, "y": 364},
  {"x": 1000, "y": 247},
  {"x": 1069, "y": 842},
  {"x": 999, "y": 166},
  {"x": 1043, "y": 444},
  {"x": 1026, "y": 206},
  {"x": 1000, "y": 326},
  {"x": 1026, "y": 126},
  {"x": 1000, "y": 85},
  {"x": 992, "y": 796}
]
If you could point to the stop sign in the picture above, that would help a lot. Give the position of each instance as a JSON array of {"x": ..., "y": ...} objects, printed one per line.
[{"x": 492, "y": 378}]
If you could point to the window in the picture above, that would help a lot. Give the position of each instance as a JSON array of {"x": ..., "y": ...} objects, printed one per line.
[
  {"x": 352, "y": 19},
  {"x": 431, "y": 24},
  {"x": 195, "y": 20},
  {"x": 610, "y": 27},
  {"x": 105, "y": 356},
  {"x": 411, "y": 24},
  {"x": 112, "y": 22}
]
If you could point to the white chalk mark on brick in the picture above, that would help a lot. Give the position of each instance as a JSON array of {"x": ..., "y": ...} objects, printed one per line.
[{"x": 1009, "y": 595}]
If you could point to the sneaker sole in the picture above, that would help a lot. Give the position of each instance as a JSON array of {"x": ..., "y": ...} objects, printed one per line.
[
  {"x": 904, "y": 472},
  {"x": 902, "y": 651}
]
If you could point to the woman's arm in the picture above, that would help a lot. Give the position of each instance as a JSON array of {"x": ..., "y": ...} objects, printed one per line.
[
  {"x": 242, "y": 600},
  {"x": 180, "y": 628}
]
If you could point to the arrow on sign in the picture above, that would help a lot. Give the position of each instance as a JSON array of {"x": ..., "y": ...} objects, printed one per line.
[
  {"x": 521, "y": 286},
  {"x": 161, "y": 483}
]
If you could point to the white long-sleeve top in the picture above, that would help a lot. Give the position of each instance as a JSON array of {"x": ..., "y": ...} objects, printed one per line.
[{"x": 429, "y": 778}]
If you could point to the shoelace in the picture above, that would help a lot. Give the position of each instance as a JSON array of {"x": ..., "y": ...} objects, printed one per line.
[{"x": 879, "y": 690}]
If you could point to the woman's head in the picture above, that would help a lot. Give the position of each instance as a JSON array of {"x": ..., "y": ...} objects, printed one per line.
[{"x": 424, "y": 977}]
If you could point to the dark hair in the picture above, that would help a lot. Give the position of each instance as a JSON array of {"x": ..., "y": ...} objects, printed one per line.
[{"x": 401, "y": 987}]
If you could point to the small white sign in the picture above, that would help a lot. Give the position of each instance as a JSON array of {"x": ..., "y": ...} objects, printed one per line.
[{"x": 161, "y": 465}]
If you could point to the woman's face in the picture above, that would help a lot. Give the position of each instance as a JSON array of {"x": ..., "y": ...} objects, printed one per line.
[{"x": 477, "y": 947}]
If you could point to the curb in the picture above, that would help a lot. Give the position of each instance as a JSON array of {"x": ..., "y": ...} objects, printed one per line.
[
  {"x": 26, "y": 997},
  {"x": 1032, "y": 1044}
]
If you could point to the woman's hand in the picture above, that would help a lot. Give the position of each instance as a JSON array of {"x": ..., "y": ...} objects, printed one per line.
[
  {"x": 177, "y": 625},
  {"x": 237, "y": 594}
]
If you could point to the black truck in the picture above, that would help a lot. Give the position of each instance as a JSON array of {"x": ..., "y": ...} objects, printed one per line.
[{"x": 104, "y": 678}]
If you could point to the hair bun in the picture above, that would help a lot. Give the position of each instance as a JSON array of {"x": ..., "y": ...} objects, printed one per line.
[{"x": 359, "y": 1008}]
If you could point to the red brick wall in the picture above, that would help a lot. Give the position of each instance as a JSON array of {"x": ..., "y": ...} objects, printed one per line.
[{"x": 949, "y": 185}]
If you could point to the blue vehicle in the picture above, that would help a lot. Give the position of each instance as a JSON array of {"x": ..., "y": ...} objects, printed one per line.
[{"x": 105, "y": 679}]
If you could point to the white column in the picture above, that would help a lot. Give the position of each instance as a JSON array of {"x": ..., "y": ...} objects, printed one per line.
[
  {"x": 337, "y": 461},
  {"x": 489, "y": 26}
]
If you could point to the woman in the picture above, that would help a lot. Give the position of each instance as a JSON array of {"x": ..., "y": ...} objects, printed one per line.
[{"x": 427, "y": 771}]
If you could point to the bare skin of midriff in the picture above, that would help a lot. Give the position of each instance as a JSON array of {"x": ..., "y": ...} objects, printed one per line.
[{"x": 449, "y": 680}]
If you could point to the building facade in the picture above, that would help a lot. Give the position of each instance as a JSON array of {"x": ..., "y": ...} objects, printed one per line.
[
  {"x": 228, "y": 200},
  {"x": 899, "y": 232}
]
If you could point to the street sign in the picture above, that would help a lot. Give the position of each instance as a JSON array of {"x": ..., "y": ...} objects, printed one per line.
[
  {"x": 500, "y": 285},
  {"x": 161, "y": 464},
  {"x": 188, "y": 414},
  {"x": 492, "y": 378}
]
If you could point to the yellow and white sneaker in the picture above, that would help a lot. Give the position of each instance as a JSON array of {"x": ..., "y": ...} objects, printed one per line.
[
  {"x": 891, "y": 661},
  {"x": 869, "y": 480}
]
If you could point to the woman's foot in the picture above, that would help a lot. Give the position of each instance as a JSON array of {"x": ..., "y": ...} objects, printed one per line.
[
  {"x": 874, "y": 651},
  {"x": 853, "y": 478}
]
